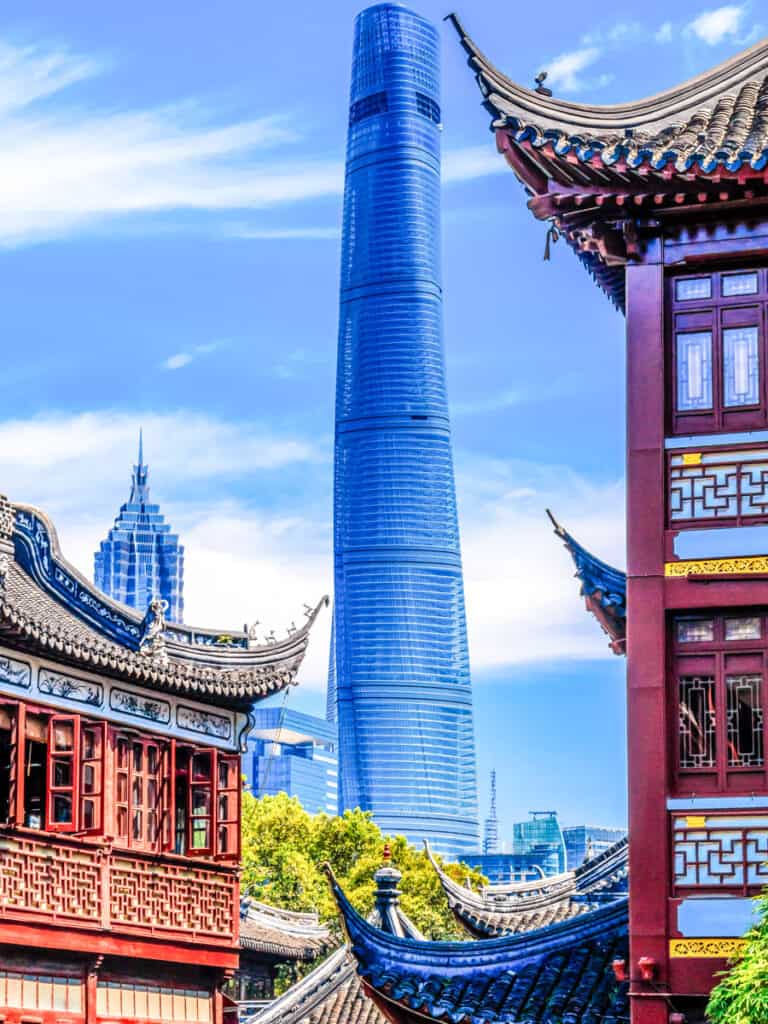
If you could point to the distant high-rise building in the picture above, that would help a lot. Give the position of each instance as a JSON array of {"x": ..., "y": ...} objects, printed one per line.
[
  {"x": 400, "y": 682},
  {"x": 141, "y": 558},
  {"x": 294, "y": 753},
  {"x": 583, "y": 841},
  {"x": 491, "y": 829}
]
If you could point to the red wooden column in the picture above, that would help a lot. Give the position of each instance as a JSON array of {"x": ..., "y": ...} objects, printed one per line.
[{"x": 646, "y": 714}]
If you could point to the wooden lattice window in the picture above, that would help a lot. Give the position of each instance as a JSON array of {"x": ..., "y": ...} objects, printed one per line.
[
  {"x": 718, "y": 350},
  {"x": 140, "y": 782},
  {"x": 720, "y": 667},
  {"x": 228, "y": 806},
  {"x": 63, "y": 773}
]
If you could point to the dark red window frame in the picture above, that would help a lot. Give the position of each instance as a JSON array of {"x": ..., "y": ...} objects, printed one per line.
[
  {"x": 718, "y": 659},
  {"x": 717, "y": 313},
  {"x": 98, "y": 765}
]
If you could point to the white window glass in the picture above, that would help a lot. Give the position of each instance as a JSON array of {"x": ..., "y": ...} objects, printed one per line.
[
  {"x": 691, "y": 631},
  {"x": 694, "y": 370},
  {"x": 740, "y": 284},
  {"x": 693, "y": 288},
  {"x": 742, "y": 629},
  {"x": 741, "y": 366}
]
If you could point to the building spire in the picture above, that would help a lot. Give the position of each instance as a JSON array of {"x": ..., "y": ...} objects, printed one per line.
[
  {"x": 491, "y": 830},
  {"x": 139, "y": 484}
]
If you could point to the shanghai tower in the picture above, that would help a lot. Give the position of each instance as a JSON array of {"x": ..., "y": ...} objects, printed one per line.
[{"x": 399, "y": 681}]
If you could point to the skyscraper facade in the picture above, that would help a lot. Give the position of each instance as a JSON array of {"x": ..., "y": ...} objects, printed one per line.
[
  {"x": 491, "y": 825},
  {"x": 399, "y": 680},
  {"x": 141, "y": 558}
]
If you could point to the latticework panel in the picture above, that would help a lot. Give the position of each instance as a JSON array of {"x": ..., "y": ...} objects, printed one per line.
[
  {"x": 42, "y": 878},
  {"x": 718, "y": 485},
  {"x": 722, "y": 852},
  {"x": 168, "y": 897}
]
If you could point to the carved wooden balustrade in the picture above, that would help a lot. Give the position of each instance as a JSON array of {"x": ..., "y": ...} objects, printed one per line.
[{"x": 68, "y": 882}]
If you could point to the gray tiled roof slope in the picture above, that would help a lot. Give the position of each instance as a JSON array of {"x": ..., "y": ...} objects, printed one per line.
[
  {"x": 330, "y": 994},
  {"x": 527, "y": 906},
  {"x": 717, "y": 120},
  {"x": 283, "y": 933},
  {"x": 80, "y": 625}
]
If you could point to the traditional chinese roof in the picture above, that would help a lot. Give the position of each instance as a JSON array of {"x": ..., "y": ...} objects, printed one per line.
[
  {"x": 603, "y": 588},
  {"x": 517, "y": 907},
  {"x": 46, "y": 605},
  {"x": 330, "y": 994},
  {"x": 283, "y": 934},
  {"x": 560, "y": 973},
  {"x": 701, "y": 143}
]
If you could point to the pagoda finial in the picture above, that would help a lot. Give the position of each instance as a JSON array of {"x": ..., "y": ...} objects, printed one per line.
[{"x": 139, "y": 480}]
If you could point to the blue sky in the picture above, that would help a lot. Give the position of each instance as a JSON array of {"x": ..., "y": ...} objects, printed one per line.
[{"x": 169, "y": 213}]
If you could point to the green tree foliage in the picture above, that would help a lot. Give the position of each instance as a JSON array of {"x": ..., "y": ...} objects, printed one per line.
[
  {"x": 741, "y": 997},
  {"x": 284, "y": 849}
]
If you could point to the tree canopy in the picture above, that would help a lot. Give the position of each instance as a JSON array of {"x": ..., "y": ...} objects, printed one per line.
[
  {"x": 741, "y": 996},
  {"x": 284, "y": 849}
]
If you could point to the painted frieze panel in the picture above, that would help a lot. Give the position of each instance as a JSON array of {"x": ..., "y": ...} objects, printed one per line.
[
  {"x": 720, "y": 852},
  {"x": 139, "y": 706},
  {"x": 82, "y": 691},
  {"x": 170, "y": 716},
  {"x": 15, "y": 673},
  {"x": 205, "y": 722}
]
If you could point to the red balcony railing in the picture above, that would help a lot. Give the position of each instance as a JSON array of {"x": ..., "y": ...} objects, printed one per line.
[{"x": 69, "y": 882}]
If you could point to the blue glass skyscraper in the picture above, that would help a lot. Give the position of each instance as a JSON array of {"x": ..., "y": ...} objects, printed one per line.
[
  {"x": 399, "y": 680},
  {"x": 141, "y": 558}
]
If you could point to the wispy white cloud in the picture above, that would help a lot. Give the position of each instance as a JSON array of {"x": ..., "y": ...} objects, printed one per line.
[
  {"x": 712, "y": 27},
  {"x": 67, "y": 168},
  {"x": 181, "y": 359},
  {"x": 66, "y": 458},
  {"x": 488, "y": 403},
  {"x": 564, "y": 71},
  {"x": 664, "y": 33},
  {"x": 523, "y": 603}
]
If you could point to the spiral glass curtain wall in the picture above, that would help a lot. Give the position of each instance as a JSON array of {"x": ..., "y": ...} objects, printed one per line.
[{"x": 399, "y": 679}]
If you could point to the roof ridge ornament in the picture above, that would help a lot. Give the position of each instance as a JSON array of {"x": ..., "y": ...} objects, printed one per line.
[{"x": 152, "y": 642}]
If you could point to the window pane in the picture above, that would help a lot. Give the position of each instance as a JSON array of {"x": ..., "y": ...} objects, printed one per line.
[
  {"x": 745, "y": 721},
  {"x": 201, "y": 801},
  {"x": 200, "y": 834},
  {"x": 62, "y": 773},
  {"x": 63, "y": 736},
  {"x": 201, "y": 768},
  {"x": 695, "y": 630},
  {"x": 697, "y": 722},
  {"x": 693, "y": 288},
  {"x": 694, "y": 370},
  {"x": 740, "y": 284},
  {"x": 62, "y": 809},
  {"x": 741, "y": 366},
  {"x": 89, "y": 814},
  {"x": 743, "y": 629}
]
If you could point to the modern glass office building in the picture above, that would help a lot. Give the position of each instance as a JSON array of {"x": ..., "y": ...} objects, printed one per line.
[
  {"x": 141, "y": 558},
  {"x": 399, "y": 681},
  {"x": 294, "y": 753}
]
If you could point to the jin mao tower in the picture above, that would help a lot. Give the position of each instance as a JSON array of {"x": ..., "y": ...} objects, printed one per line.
[
  {"x": 399, "y": 680},
  {"x": 141, "y": 558}
]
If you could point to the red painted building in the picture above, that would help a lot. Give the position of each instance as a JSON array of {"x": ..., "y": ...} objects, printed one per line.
[
  {"x": 119, "y": 795},
  {"x": 665, "y": 203}
]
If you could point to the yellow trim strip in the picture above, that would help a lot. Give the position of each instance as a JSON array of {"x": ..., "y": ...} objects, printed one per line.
[
  {"x": 701, "y": 949},
  {"x": 718, "y": 566}
]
